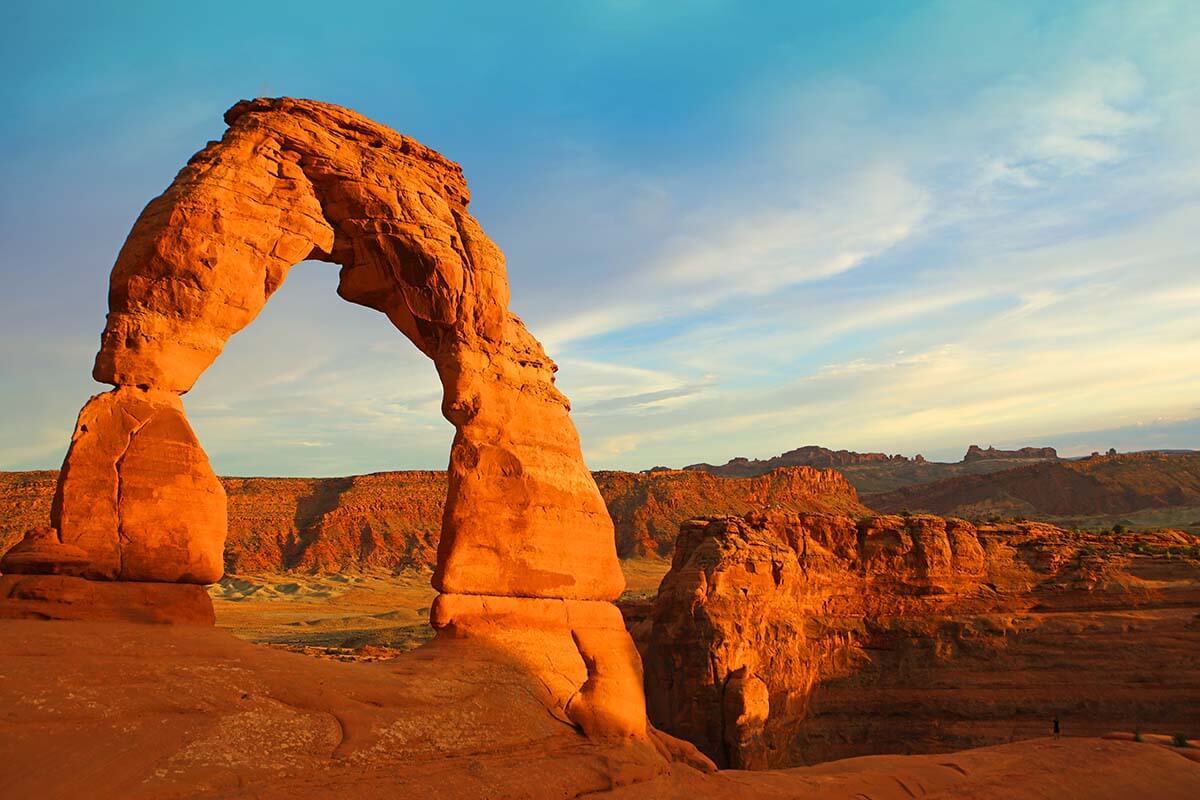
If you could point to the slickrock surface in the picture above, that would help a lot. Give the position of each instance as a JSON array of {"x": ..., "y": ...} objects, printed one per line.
[
  {"x": 138, "y": 711},
  {"x": 64, "y": 597},
  {"x": 912, "y": 635},
  {"x": 392, "y": 520}
]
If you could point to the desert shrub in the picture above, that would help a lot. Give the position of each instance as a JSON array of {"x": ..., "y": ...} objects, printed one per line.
[
  {"x": 1179, "y": 740},
  {"x": 1137, "y": 735},
  {"x": 1118, "y": 528}
]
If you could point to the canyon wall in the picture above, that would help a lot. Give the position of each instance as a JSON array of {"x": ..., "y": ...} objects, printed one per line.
[
  {"x": 392, "y": 520},
  {"x": 785, "y": 639}
]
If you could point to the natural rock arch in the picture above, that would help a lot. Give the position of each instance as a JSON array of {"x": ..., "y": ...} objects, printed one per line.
[{"x": 292, "y": 180}]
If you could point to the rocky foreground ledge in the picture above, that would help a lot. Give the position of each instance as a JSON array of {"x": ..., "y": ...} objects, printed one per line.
[{"x": 104, "y": 710}]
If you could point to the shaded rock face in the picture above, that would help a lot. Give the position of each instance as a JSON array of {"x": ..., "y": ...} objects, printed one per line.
[
  {"x": 923, "y": 634},
  {"x": 66, "y": 597},
  {"x": 393, "y": 520},
  {"x": 292, "y": 180},
  {"x": 386, "y": 520}
]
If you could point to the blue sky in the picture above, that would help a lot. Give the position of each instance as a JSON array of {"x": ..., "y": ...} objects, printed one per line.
[{"x": 738, "y": 227}]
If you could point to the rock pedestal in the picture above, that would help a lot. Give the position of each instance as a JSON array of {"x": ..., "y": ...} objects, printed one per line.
[{"x": 65, "y": 597}]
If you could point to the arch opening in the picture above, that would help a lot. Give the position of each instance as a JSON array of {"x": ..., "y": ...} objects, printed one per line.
[
  {"x": 293, "y": 180},
  {"x": 316, "y": 386}
]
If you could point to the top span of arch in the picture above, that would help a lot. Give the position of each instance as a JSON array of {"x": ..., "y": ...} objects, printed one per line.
[{"x": 291, "y": 180}]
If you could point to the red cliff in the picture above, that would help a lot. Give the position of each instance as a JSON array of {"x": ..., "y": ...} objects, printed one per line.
[
  {"x": 392, "y": 520},
  {"x": 785, "y": 639}
]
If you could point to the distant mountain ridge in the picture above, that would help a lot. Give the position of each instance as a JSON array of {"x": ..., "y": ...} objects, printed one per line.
[
  {"x": 879, "y": 472},
  {"x": 1101, "y": 485},
  {"x": 823, "y": 458},
  {"x": 808, "y": 456},
  {"x": 977, "y": 453}
]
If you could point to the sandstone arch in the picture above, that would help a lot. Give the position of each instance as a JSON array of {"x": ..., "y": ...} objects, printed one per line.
[{"x": 292, "y": 180}]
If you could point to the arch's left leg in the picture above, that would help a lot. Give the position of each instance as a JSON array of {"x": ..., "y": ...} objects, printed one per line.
[{"x": 137, "y": 493}]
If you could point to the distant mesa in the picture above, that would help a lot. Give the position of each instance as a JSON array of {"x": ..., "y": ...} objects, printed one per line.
[
  {"x": 824, "y": 458},
  {"x": 807, "y": 456},
  {"x": 977, "y": 453},
  {"x": 393, "y": 520},
  {"x": 1050, "y": 489}
]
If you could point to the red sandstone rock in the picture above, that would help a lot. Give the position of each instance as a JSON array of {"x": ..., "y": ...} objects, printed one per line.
[
  {"x": 393, "y": 520},
  {"x": 526, "y": 556},
  {"x": 1091, "y": 487},
  {"x": 63, "y": 597},
  {"x": 579, "y": 649},
  {"x": 137, "y": 493},
  {"x": 145, "y": 711},
  {"x": 916, "y": 634},
  {"x": 296, "y": 179},
  {"x": 41, "y": 552},
  {"x": 648, "y": 507}
]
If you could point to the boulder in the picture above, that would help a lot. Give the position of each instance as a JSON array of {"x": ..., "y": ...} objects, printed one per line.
[{"x": 41, "y": 552}]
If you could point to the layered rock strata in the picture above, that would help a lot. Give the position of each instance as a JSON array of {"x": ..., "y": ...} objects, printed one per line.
[
  {"x": 66, "y": 597},
  {"x": 779, "y": 639},
  {"x": 393, "y": 520}
]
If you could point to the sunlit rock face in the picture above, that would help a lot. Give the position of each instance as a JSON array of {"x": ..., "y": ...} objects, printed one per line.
[
  {"x": 784, "y": 639},
  {"x": 526, "y": 560},
  {"x": 292, "y": 180},
  {"x": 393, "y": 520}
]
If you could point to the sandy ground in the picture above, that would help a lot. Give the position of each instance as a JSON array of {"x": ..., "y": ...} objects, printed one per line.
[{"x": 354, "y": 617}]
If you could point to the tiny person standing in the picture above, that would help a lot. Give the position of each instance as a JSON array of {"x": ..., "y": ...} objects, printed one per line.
[{"x": 1057, "y": 730}]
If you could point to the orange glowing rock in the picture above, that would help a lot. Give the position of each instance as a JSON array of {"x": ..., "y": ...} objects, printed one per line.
[{"x": 293, "y": 180}]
